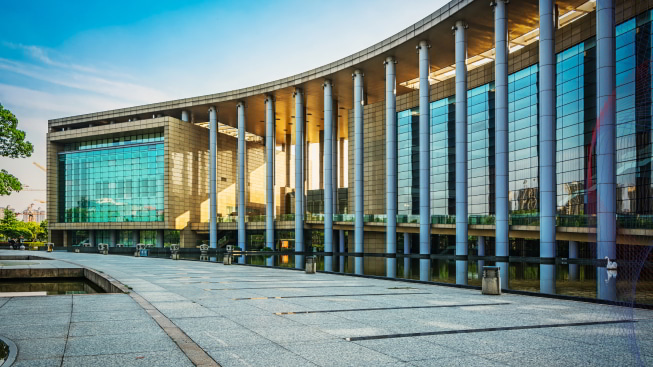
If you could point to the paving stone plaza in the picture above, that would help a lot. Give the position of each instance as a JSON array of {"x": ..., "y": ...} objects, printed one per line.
[{"x": 255, "y": 316}]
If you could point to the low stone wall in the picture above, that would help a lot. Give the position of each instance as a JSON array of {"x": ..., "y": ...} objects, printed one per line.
[{"x": 103, "y": 281}]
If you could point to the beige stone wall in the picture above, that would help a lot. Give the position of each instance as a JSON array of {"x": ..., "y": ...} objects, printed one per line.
[
  {"x": 52, "y": 180},
  {"x": 374, "y": 242},
  {"x": 626, "y": 9},
  {"x": 186, "y": 167},
  {"x": 256, "y": 179},
  {"x": 189, "y": 176},
  {"x": 283, "y": 183}
]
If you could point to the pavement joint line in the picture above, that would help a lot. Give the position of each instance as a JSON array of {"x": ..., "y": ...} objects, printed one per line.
[
  {"x": 193, "y": 352},
  {"x": 484, "y": 330},
  {"x": 394, "y": 308},
  {"x": 319, "y": 286},
  {"x": 332, "y": 295},
  {"x": 70, "y": 323}
]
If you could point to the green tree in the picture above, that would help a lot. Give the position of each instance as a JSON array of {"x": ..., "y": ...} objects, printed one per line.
[
  {"x": 44, "y": 230},
  {"x": 10, "y": 227},
  {"x": 35, "y": 230},
  {"x": 12, "y": 145}
]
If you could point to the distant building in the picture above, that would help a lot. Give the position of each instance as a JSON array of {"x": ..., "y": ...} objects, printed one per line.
[{"x": 31, "y": 214}]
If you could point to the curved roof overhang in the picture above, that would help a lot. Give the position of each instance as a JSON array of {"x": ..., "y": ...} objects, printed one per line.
[{"x": 436, "y": 29}]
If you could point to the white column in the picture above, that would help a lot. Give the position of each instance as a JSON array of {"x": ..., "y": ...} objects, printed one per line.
[
  {"x": 605, "y": 86},
  {"x": 299, "y": 177},
  {"x": 391, "y": 165},
  {"x": 328, "y": 166},
  {"x": 213, "y": 156},
  {"x": 358, "y": 170},
  {"x": 270, "y": 143},
  {"x": 501, "y": 126},
  {"x": 461, "y": 151},
  {"x": 424, "y": 160},
  {"x": 547, "y": 149},
  {"x": 242, "y": 171},
  {"x": 606, "y": 204}
]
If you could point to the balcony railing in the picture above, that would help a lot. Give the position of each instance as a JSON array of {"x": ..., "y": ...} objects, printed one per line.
[{"x": 531, "y": 219}]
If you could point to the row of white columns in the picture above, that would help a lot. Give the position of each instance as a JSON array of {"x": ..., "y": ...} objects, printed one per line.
[{"x": 606, "y": 232}]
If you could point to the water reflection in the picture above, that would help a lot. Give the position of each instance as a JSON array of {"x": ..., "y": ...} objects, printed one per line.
[
  {"x": 328, "y": 263},
  {"x": 52, "y": 286},
  {"x": 504, "y": 275},
  {"x": 359, "y": 265},
  {"x": 424, "y": 269},
  {"x": 548, "y": 278},
  {"x": 391, "y": 267},
  {"x": 573, "y": 277},
  {"x": 461, "y": 272},
  {"x": 606, "y": 284}
]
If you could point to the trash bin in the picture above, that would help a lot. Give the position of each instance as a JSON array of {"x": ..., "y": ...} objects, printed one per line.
[
  {"x": 311, "y": 264},
  {"x": 491, "y": 283},
  {"x": 226, "y": 260},
  {"x": 50, "y": 246}
]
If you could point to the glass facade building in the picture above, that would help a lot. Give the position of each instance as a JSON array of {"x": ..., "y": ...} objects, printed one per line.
[
  {"x": 408, "y": 162},
  {"x": 443, "y": 157},
  {"x": 112, "y": 181},
  {"x": 634, "y": 108},
  {"x": 575, "y": 131},
  {"x": 144, "y": 174}
]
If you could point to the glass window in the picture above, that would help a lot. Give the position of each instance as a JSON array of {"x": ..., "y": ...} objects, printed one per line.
[{"x": 113, "y": 188}]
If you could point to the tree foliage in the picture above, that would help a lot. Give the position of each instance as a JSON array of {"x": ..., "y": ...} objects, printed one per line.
[
  {"x": 12, "y": 145},
  {"x": 10, "y": 227},
  {"x": 9, "y": 183}
]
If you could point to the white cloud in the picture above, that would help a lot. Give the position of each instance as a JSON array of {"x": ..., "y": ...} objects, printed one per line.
[
  {"x": 58, "y": 104},
  {"x": 129, "y": 92}
]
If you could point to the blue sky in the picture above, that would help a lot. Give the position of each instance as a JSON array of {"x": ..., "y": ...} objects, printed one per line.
[{"x": 66, "y": 58}]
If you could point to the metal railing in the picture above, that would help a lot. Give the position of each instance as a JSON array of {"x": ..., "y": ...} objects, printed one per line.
[{"x": 530, "y": 219}]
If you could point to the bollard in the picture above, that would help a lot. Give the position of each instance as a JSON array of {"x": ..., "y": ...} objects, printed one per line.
[
  {"x": 311, "y": 265},
  {"x": 174, "y": 251},
  {"x": 491, "y": 283},
  {"x": 226, "y": 260},
  {"x": 103, "y": 248},
  {"x": 204, "y": 252},
  {"x": 139, "y": 247}
]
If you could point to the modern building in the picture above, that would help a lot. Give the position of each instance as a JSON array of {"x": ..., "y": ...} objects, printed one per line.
[{"x": 517, "y": 129}]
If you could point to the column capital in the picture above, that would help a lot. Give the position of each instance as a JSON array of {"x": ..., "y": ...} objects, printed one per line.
[
  {"x": 241, "y": 104},
  {"x": 297, "y": 91},
  {"x": 423, "y": 43},
  {"x": 459, "y": 24},
  {"x": 389, "y": 60},
  {"x": 269, "y": 98},
  {"x": 212, "y": 109},
  {"x": 327, "y": 82},
  {"x": 356, "y": 73},
  {"x": 495, "y": 2}
]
